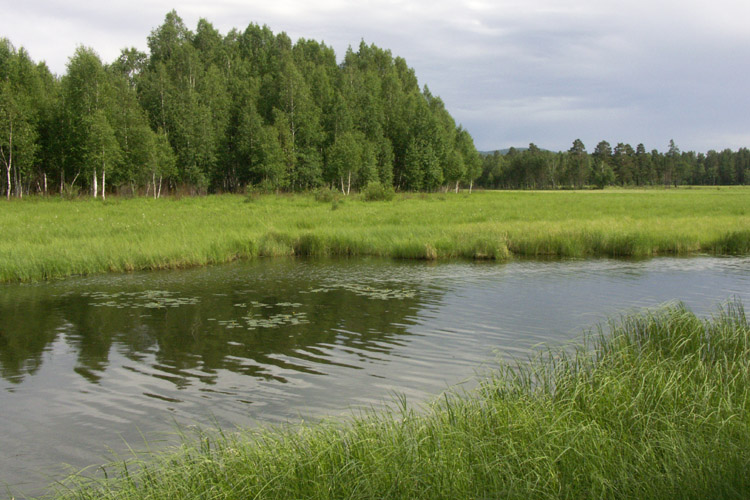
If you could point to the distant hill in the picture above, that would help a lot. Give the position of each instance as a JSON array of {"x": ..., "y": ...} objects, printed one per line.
[{"x": 505, "y": 151}]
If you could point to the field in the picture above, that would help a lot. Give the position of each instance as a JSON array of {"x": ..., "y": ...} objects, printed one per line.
[
  {"x": 655, "y": 408},
  {"x": 51, "y": 238}
]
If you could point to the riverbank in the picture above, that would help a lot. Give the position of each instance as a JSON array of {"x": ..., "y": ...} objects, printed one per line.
[
  {"x": 657, "y": 407},
  {"x": 52, "y": 238}
]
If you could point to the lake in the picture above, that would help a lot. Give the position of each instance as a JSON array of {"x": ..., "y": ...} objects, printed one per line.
[{"x": 88, "y": 364}]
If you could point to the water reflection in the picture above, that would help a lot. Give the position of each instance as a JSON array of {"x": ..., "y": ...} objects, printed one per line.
[{"x": 197, "y": 327}]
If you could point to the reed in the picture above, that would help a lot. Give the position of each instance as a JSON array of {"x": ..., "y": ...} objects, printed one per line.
[
  {"x": 51, "y": 238},
  {"x": 655, "y": 406}
]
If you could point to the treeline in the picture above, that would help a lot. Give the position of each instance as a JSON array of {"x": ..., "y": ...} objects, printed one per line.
[
  {"x": 214, "y": 113},
  {"x": 534, "y": 168}
]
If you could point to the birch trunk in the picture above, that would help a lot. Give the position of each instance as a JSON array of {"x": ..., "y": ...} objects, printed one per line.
[
  {"x": 9, "y": 164},
  {"x": 104, "y": 187},
  {"x": 158, "y": 195},
  {"x": 349, "y": 183},
  {"x": 96, "y": 188}
]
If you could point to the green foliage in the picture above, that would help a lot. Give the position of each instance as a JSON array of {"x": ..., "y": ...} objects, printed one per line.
[
  {"x": 603, "y": 175},
  {"x": 623, "y": 166},
  {"x": 21, "y": 98},
  {"x": 254, "y": 192},
  {"x": 236, "y": 109},
  {"x": 326, "y": 194},
  {"x": 102, "y": 148},
  {"x": 375, "y": 191}
]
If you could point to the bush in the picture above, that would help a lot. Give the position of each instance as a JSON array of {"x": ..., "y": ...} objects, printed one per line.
[
  {"x": 254, "y": 191},
  {"x": 71, "y": 192},
  {"x": 375, "y": 191},
  {"x": 326, "y": 195}
]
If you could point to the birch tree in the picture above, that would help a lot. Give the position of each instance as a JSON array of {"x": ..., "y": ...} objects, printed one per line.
[
  {"x": 164, "y": 161},
  {"x": 18, "y": 133},
  {"x": 102, "y": 148}
]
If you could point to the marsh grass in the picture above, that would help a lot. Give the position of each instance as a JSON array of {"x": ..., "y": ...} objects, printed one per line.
[
  {"x": 657, "y": 406},
  {"x": 50, "y": 238}
]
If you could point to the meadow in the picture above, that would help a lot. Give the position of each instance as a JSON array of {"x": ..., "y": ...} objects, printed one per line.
[
  {"x": 44, "y": 238},
  {"x": 657, "y": 406}
]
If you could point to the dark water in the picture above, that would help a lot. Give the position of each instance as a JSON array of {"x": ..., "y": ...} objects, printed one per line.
[{"x": 87, "y": 364}]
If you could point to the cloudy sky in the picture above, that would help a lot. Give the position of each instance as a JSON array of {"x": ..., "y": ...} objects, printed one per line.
[{"x": 511, "y": 71}]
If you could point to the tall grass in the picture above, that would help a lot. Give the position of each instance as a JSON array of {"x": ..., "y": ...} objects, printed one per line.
[
  {"x": 42, "y": 239},
  {"x": 657, "y": 407}
]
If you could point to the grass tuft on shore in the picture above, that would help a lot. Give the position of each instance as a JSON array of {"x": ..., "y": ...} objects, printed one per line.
[
  {"x": 52, "y": 238},
  {"x": 656, "y": 406}
]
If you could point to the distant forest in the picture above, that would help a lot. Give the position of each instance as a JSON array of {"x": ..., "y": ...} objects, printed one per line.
[
  {"x": 203, "y": 112},
  {"x": 534, "y": 168}
]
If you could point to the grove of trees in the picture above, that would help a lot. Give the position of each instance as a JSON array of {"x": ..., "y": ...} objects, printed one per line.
[
  {"x": 534, "y": 168},
  {"x": 208, "y": 112}
]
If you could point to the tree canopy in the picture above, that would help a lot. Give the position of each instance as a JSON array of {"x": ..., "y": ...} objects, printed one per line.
[{"x": 216, "y": 113}]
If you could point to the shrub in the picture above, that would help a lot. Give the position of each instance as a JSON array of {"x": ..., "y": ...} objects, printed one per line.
[
  {"x": 375, "y": 191},
  {"x": 326, "y": 195}
]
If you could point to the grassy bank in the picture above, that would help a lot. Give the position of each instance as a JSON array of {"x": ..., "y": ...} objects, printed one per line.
[
  {"x": 47, "y": 238},
  {"x": 658, "y": 407}
]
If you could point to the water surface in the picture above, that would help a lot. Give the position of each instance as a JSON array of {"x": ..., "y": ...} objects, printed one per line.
[{"x": 87, "y": 364}]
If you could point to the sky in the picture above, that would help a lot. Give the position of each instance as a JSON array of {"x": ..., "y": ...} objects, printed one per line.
[{"x": 512, "y": 72}]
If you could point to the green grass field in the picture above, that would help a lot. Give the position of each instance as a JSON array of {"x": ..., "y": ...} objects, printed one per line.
[
  {"x": 658, "y": 407},
  {"x": 49, "y": 238}
]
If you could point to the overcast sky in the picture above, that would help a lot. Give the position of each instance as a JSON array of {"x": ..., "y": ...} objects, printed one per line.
[{"x": 511, "y": 71}]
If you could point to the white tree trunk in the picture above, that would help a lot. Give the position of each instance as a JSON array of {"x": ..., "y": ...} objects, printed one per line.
[
  {"x": 9, "y": 164},
  {"x": 96, "y": 188},
  {"x": 45, "y": 184},
  {"x": 158, "y": 194},
  {"x": 349, "y": 183},
  {"x": 104, "y": 177},
  {"x": 8, "y": 169},
  {"x": 471, "y": 185},
  {"x": 74, "y": 179},
  {"x": 457, "y": 186}
]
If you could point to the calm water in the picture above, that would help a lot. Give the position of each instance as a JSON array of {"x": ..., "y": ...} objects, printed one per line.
[{"x": 87, "y": 364}]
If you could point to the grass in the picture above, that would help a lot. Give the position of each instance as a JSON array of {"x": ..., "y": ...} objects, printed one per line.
[
  {"x": 50, "y": 238},
  {"x": 657, "y": 407}
]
